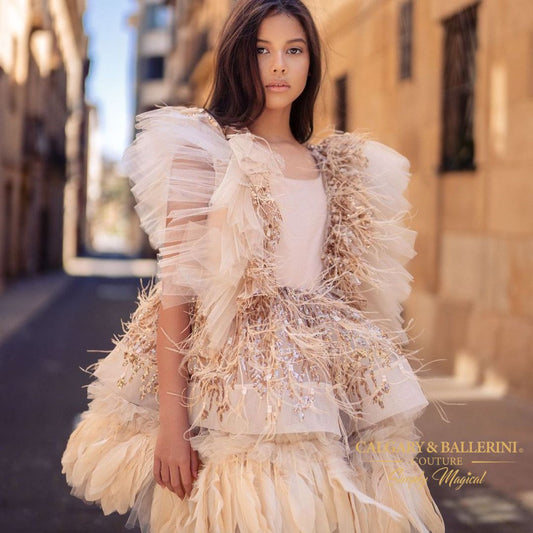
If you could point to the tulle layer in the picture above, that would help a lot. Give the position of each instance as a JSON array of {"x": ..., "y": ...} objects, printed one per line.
[
  {"x": 175, "y": 164},
  {"x": 385, "y": 179}
]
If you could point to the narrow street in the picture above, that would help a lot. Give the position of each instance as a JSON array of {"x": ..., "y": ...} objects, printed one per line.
[{"x": 128, "y": 126}]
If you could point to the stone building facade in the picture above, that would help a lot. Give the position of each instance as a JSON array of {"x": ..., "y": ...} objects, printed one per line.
[
  {"x": 449, "y": 85},
  {"x": 43, "y": 66},
  {"x": 190, "y": 61}
]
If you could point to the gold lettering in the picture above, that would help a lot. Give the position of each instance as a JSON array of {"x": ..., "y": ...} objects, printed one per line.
[
  {"x": 452, "y": 477},
  {"x": 400, "y": 476}
]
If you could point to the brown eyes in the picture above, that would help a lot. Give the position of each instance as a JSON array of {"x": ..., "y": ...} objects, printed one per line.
[{"x": 291, "y": 51}]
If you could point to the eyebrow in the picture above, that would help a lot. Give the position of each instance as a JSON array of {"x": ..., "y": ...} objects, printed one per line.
[{"x": 298, "y": 39}]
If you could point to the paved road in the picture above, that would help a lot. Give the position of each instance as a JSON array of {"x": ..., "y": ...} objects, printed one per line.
[
  {"x": 41, "y": 393},
  {"x": 502, "y": 502}
]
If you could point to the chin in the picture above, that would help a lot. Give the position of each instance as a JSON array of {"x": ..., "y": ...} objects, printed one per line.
[
  {"x": 276, "y": 104},
  {"x": 277, "y": 107}
]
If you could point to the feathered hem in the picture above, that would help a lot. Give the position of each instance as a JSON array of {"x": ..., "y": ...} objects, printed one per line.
[{"x": 297, "y": 483}]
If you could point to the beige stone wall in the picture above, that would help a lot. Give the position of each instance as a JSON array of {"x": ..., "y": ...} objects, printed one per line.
[
  {"x": 43, "y": 52},
  {"x": 473, "y": 285}
]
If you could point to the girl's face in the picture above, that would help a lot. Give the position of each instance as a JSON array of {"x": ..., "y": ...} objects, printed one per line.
[{"x": 283, "y": 58}]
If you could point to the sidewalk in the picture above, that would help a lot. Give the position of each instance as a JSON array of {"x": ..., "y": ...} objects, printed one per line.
[{"x": 23, "y": 297}]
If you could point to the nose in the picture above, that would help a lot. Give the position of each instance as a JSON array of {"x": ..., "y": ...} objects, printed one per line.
[{"x": 278, "y": 65}]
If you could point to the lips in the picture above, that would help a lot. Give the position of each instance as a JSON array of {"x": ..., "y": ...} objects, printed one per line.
[{"x": 278, "y": 84}]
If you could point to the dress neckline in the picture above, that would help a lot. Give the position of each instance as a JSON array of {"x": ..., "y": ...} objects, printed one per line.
[
  {"x": 232, "y": 130},
  {"x": 310, "y": 147}
]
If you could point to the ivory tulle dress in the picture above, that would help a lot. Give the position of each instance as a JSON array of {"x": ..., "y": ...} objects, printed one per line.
[{"x": 302, "y": 400}]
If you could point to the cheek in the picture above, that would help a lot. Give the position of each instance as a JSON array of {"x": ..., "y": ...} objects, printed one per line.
[
  {"x": 303, "y": 71},
  {"x": 263, "y": 69}
]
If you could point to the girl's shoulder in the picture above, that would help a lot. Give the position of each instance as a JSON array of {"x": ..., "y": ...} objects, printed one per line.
[
  {"x": 179, "y": 116},
  {"x": 362, "y": 146}
]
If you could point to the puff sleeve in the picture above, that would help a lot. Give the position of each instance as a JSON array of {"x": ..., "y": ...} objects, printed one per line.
[{"x": 174, "y": 165}]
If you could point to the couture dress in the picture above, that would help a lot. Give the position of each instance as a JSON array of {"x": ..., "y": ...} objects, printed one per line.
[{"x": 302, "y": 399}]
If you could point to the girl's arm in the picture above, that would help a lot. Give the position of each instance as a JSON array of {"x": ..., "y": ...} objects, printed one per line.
[
  {"x": 175, "y": 463},
  {"x": 173, "y": 327},
  {"x": 171, "y": 168}
]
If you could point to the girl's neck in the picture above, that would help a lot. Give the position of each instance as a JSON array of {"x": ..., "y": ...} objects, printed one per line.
[{"x": 274, "y": 126}]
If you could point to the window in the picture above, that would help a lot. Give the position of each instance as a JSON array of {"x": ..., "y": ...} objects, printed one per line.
[
  {"x": 405, "y": 32},
  {"x": 341, "y": 101},
  {"x": 156, "y": 16},
  {"x": 459, "y": 77},
  {"x": 153, "y": 68}
]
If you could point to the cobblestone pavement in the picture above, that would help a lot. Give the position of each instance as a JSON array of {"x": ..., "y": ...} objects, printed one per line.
[{"x": 42, "y": 392}]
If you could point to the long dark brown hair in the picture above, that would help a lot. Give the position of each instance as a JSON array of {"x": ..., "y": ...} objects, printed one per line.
[{"x": 237, "y": 96}]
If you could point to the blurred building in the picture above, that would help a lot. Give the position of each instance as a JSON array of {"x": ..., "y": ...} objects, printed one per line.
[
  {"x": 190, "y": 62},
  {"x": 95, "y": 172},
  {"x": 154, "y": 23},
  {"x": 43, "y": 66},
  {"x": 449, "y": 85},
  {"x": 155, "y": 37}
]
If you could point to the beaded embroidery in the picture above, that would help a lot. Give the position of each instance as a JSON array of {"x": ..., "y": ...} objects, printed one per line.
[{"x": 282, "y": 338}]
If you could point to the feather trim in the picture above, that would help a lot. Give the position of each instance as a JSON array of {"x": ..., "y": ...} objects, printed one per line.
[
  {"x": 393, "y": 476},
  {"x": 297, "y": 483},
  {"x": 367, "y": 244},
  {"x": 109, "y": 455}
]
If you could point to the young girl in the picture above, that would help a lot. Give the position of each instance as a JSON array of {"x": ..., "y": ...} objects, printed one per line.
[{"x": 261, "y": 385}]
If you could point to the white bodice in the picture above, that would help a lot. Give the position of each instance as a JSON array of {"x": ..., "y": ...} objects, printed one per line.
[{"x": 303, "y": 206}]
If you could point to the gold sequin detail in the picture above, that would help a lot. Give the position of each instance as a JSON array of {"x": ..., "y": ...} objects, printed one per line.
[
  {"x": 283, "y": 338},
  {"x": 138, "y": 342}
]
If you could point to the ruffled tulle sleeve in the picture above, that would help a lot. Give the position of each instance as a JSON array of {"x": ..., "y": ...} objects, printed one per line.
[
  {"x": 386, "y": 177},
  {"x": 174, "y": 165}
]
